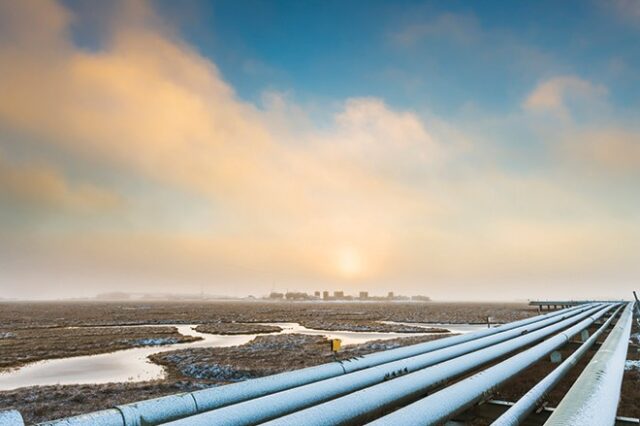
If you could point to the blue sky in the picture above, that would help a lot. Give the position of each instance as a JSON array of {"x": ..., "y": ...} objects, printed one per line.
[
  {"x": 460, "y": 149},
  {"x": 453, "y": 53}
]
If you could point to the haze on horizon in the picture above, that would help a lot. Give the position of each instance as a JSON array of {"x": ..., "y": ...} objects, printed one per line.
[{"x": 461, "y": 150}]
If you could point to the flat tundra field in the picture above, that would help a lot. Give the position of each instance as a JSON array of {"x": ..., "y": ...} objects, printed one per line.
[{"x": 31, "y": 332}]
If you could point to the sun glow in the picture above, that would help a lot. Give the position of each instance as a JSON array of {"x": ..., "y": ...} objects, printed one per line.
[{"x": 349, "y": 262}]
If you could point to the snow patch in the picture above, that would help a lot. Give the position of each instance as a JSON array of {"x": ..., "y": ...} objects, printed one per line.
[
  {"x": 154, "y": 341},
  {"x": 632, "y": 365}
]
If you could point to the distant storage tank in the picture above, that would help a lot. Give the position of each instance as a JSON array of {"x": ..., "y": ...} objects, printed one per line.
[
  {"x": 316, "y": 293},
  {"x": 325, "y": 295},
  {"x": 364, "y": 295},
  {"x": 338, "y": 294},
  {"x": 390, "y": 295}
]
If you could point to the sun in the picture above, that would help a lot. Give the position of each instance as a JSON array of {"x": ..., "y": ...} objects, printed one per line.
[{"x": 349, "y": 262}]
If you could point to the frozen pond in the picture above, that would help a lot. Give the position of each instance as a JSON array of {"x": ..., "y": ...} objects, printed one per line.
[{"x": 133, "y": 364}]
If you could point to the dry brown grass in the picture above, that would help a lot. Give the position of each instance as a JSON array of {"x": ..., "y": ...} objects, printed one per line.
[
  {"x": 27, "y": 315},
  {"x": 232, "y": 328}
]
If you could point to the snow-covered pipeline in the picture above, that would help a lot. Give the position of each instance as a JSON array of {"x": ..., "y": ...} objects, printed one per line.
[
  {"x": 593, "y": 398},
  {"x": 164, "y": 409},
  {"x": 288, "y": 401},
  {"x": 11, "y": 418},
  {"x": 536, "y": 395},
  {"x": 442, "y": 405},
  {"x": 374, "y": 400}
]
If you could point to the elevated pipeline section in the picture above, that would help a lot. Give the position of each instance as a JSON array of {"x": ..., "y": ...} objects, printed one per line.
[{"x": 425, "y": 384}]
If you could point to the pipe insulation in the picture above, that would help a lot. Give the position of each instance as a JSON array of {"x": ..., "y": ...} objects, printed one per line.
[
  {"x": 593, "y": 398},
  {"x": 442, "y": 405},
  {"x": 537, "y": 394},
  {"x": 11, "y": 418}
]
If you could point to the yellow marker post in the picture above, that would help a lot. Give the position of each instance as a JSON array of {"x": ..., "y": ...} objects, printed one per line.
[{"x": 335, "y": 344}]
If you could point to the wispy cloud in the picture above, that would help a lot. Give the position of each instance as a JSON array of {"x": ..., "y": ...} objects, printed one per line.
[
  {"x": 450, "y": 26},
  {"x": 554, "y": 95},
  {"x": 43, "y": 187},
  {"x": 626, "y": 10},
  {"x": 588, "y": 135}
]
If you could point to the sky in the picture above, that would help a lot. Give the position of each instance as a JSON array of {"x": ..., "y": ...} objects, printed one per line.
[{"x": 461, "y": 150}]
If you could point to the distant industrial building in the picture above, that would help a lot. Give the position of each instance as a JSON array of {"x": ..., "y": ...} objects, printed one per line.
[
  {"x": 295, "y": 295},
  {"x": 421, "y": 298},
  {"x": 276, "y": 296},
  {"x": 339, "y": 295}
]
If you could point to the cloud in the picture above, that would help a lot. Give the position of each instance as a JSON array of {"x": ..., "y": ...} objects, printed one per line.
[
  {"x": 145, "y": 102},
  {"x": 615, "y": 151},
  {"x": 556, "y": 95},
  {"x": 458, "y": 28},
  {"x": 42, "y": 186},
  {"x": 47, "y": 18},
  {"x": 589, "y": 137},
  {"x": 414, "y": 200},
  {"x": 626, "y": 10}
]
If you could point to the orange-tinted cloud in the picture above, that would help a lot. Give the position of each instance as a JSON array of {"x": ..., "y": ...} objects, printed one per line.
[
  {"x": 588, "y": 136},
  {"x": 44, "y": 187},
  {"x": 614, "y": 150},
  {"x": 553, "y": 95}
]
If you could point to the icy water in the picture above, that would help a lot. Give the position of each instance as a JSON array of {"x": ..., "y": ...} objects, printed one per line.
[{"x": 132, "y": 365}]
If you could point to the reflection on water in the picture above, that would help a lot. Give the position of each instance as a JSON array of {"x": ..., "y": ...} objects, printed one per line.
[
  {"x": 119, "y": 366},
  {"x": 133, "y": 365},
  {"x": 347, "y": 337}
]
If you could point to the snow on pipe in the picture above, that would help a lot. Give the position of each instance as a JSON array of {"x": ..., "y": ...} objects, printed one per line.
[
  {"x": 442, "y": 405},
  {"x": 109, "y": 417},
  {"x": 167, "y": 408},
  {"x": 536, "y": 395},
  {"x": 11, "y": 418},
  {"x": 593, "y": 398},
  {"x": 382, "y": 396},
  {"x": 278, "y": 404}
]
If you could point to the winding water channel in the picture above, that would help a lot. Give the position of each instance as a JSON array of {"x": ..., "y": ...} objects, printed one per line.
[{"x": 133, "y": 365}]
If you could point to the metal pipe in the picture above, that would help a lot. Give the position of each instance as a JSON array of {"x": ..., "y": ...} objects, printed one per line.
[
  {"x": 593, "y": 398},
  {"x": 442, "y": 405},
  {"x": 355, "y": 384},
  {"x": 284, "y": 402},
  {"x": 172, "y": 407},
  {"x": 533, "y": 399},
  {"x": 11, "y": 418}
]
